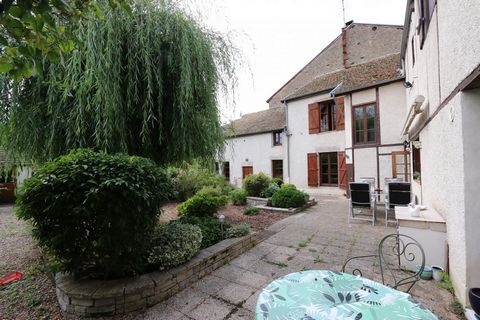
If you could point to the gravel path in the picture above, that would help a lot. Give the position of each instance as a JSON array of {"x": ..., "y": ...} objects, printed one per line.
[{"x": 33, "y": 297}]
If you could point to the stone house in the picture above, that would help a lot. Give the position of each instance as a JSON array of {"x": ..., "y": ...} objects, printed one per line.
[
  {"x": 308, "y": 129},
  {"x": 442, "y": 67}
]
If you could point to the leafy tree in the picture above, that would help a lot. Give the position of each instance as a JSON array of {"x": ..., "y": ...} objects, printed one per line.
[
  {"x": 144, "y": 83},
  {"x": 31, "y": 30}
]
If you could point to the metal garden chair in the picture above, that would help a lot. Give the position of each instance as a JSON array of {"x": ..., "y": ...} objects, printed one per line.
[
  {"x": 398, "y": 194},
  {"x": 393, "y": 251},
  {"x": 361, "y": 196}
]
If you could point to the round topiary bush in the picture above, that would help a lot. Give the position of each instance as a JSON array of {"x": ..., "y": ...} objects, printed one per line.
[
  {"x": 204, "y": 203},
  {"x": 251, "y": 211},
  {"x": 255, "y": 184},
  {"x": 236, "y": 231},
  {"x": 288, "y": 198},
  {"x": 95, "y": 212},
  {"x": 174, "y": 244},
  {"x": 210, "y": 226}
]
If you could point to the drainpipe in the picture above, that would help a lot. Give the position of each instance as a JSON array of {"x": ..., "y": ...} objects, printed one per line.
[
  {"x": 287, "y": 134},
  {"x": 332, "y": 93}
]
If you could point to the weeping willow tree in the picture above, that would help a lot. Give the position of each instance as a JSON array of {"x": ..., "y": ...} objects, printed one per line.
[{"x": 144, "y": 83}]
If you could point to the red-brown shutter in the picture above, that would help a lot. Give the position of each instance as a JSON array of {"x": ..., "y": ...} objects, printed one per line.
[
  {"x": 342, "y": 170},
  {"x": 314, "y": 118},
  {"x": 312, "y": 162},
  {"x": 340, "y": 105}
]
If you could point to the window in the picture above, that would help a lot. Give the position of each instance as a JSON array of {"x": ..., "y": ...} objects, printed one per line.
[
  {"x": 365, "y": 124},
  {"x": 277, "y": 169},
  {"x": 277, "y": 138},
  {"x": 401, "y": 165},
  {"x": 246, "y": 171},
  {"x": 326, "y": 116},
  {"x": 417, "y": 167},
  {"x": 226, "y": 170},
  {"x": 329, "y": 169},
  {"x": 426, "y": 13}
]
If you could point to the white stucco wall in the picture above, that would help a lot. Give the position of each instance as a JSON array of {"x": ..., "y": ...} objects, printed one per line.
[
  {"x": 471, "y": 148},
  {"x": 258, "y": 149},
  {"x": 302, "y": 143},
  {"x": 392, "y": 99},
  {"x": 450, "y": 149}
]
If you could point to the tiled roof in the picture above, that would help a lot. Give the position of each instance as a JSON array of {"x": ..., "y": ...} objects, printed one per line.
[
  {"x": 257, "y": 122},
  {"x": 377, "y": 71},
  {"x": 364, "y": 43}
]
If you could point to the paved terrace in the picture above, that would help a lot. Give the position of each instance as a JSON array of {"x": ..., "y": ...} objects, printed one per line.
[{"x": 318, "y": 238}]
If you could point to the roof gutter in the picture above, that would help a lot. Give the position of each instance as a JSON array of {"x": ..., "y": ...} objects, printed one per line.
[{"x": 406, "y": 28}]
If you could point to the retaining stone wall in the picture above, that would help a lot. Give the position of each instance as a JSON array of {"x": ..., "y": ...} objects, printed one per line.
[{"x": 97, "y": 297}]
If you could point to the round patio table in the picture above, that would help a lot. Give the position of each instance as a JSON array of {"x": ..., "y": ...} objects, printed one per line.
[{"x": 328, "y": 295}]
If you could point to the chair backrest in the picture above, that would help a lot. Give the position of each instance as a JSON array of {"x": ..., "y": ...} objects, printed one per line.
[
  {"x": 370, "y": 181},
  {"x": 389, "y": 180},
  {"x": 399, "y": 193},
  {"x": 397, "y": 249},
  {"x": 360, "y": 193}
]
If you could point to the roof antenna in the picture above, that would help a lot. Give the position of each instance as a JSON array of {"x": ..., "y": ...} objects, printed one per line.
[{"x": 343, "y": 8}]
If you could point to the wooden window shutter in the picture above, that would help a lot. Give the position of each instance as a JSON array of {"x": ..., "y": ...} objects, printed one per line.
[
  {"x": 312, "y": 163},
  {"x": 342, "y": 170},
  {"x": 340, "y": 105},
  {"x": 314, "y": 118}
]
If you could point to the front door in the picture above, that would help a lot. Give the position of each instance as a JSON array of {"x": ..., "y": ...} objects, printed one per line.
[
  {"x": 246, "y": 171},
  {"x": 329, "y": 169}
]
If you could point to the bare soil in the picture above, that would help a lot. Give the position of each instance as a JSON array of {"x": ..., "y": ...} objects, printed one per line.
[{"x": 233, "y": 214}]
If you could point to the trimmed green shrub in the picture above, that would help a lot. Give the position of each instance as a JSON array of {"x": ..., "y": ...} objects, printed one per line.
[
  {"x": 239, "y": 197},
  {"x": 174, "y": 244},
  {"x": 255, "y": 184},
  {"x": 95, "y": 212},
  {"x": 251, "y": 211},
  {"x": 288, "y": 198},
  {"x": 277, "y": 181},
  {"x": 272, "y": 188},
  {"x": 288, "y": 186},
  {"x": 210, "y": 226},
  {"x": 191, "y": 179},
  {"x": 236, "y": 231},
  {"x": 203, "y": 204}
]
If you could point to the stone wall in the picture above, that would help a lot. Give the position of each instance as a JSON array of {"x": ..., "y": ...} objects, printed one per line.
[{"x": 97, "y": 297}]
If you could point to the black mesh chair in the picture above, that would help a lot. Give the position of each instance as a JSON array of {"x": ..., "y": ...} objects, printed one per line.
[
  {"x": 393, "y": 251},
  {"x": 361, "y": 197},
  {"x": 399, "y": 194}
]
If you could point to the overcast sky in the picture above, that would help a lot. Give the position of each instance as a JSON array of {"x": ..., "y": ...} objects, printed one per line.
[{"x": 278, "y": 37}]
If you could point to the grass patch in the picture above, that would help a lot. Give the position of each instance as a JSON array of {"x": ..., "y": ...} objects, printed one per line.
[
  {"x": 447, "y": 284},
  {"x": 457, "y": 308},
  {"x": 317, "y": 259},
  {"x": 303, "y": 244},
  {"x": 278, "y": 264}
]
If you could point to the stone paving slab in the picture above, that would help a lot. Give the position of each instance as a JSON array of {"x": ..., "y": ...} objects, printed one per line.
[{"x": 318, "y": 238}]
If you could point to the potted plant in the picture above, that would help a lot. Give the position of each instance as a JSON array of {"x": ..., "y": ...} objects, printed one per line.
[{"x": 438, "y": 273}]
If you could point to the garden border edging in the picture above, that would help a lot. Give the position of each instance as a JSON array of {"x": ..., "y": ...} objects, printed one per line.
[{"x": 110, "y": 297}]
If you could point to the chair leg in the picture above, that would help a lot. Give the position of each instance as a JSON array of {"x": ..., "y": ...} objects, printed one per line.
[{"x": 373, "y": 215}]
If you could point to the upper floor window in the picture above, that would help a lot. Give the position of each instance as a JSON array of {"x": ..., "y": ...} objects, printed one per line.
[
  {"x": 277, "y": 138},
  {"x": 326, "y": 116},
  {"x": 365, "y": 124},
  {"x": 426, "y": 13}
]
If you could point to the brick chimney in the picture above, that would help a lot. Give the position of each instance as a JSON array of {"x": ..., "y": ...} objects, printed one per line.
[{"x": 346, "y": 64}]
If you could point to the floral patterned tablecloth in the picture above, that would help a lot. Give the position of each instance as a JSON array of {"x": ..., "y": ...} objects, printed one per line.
[{"x": 328, "y": 295}]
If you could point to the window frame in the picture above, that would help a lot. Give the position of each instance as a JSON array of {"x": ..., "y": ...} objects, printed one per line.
[
  {"x": 226, "y": 168},
  {"x": 329, "y": 171},
  {"x": 427, "y": 7},
  {"x": 275, "y": 142},
  {"x": 331, "y": 114},
  {"x": 274, "y": 173},
  {"x": 376, "y": 127}
]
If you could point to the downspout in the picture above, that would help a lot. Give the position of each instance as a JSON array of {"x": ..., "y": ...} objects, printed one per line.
[
  {"x": 287, "y": 134},
  {"x": 332, "y": 93}
]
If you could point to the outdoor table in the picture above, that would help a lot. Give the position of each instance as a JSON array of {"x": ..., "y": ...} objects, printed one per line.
[{"x": 325, "y": 295}]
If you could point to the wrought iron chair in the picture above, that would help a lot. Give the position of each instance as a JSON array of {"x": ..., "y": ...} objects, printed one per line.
[
  {"x": 393, "y": 251},
  {"x": 398, "y": 194},
  {"x": 361, "y": 196}
]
